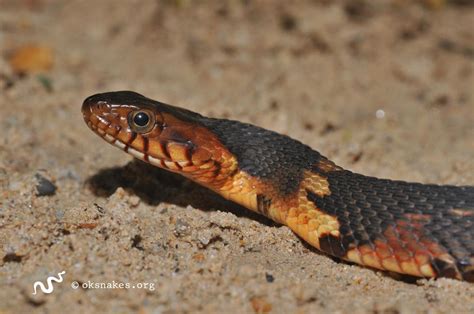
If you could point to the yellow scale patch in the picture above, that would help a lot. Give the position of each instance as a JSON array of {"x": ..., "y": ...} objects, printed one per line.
[
  {"x": 296, "y": 211},
  {"x": 242, "y": 189},
  {"x": 306, "y": 219}
]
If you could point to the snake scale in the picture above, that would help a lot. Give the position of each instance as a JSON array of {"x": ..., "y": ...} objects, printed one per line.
[{"x": 408, "y": 228}]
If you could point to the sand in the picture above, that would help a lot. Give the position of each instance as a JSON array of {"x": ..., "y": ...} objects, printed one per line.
[{"x": 384, "y": 89}]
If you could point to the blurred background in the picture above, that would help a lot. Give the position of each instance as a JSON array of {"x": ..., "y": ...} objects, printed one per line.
[{"x": 384, "y": 87}]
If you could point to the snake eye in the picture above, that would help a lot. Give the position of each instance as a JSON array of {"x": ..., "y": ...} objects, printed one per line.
[{"x": 141, "y": 121}]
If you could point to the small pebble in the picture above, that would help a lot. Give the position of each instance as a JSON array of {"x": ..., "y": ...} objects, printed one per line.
[
  {"x": 269, "y": 278},
  {"x": 181, "y": 228},
  {"x": 380, "y": 114},
  {"x": 32, "y": 58},
  {"x": 44, "y": 187},
  {"x": 204, "y": 237}
]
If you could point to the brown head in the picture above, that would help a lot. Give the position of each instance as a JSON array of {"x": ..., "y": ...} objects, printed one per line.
[{"x": 165, "y": 136}]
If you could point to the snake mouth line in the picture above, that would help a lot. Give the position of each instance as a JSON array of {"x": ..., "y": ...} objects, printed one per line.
[{"x": 156, "y": 161}]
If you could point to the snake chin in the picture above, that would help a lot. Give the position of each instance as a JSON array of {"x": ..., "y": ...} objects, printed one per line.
[{"x": 155, "y": 161}]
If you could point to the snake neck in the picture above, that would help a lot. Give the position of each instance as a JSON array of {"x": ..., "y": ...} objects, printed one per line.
[
  {"x": 265, "y": 155},
  {"x": 272, "y": 172}
]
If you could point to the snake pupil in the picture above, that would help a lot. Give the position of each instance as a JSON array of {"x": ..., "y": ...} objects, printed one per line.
[{"x": 141, "y": 119}]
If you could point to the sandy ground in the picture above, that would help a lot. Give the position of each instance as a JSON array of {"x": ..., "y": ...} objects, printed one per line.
[{"x": 319, "y": 71}]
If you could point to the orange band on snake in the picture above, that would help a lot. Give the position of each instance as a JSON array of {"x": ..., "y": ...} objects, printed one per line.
[{"x": 409, "y": 228}]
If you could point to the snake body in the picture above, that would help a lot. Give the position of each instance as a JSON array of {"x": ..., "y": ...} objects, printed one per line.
[{"x": 409, "y": 228}]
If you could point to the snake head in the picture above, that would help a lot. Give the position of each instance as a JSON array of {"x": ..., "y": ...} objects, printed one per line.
[{"x": 163, "y": 135}]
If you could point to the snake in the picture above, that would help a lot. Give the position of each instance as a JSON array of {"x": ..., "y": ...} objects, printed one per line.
[{"x": 421, "y": 230}]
